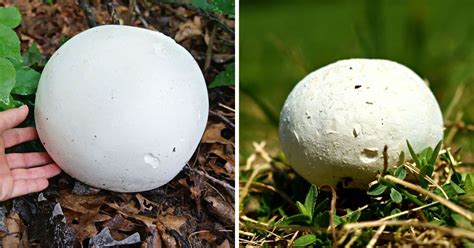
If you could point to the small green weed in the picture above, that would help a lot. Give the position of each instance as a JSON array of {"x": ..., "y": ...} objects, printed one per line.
[{"x": 18, "y": 77}]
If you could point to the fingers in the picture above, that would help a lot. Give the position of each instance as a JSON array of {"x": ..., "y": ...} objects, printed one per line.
[
  {"x": 16, "y": 136},
  {"x": 27, "y": 186},
  {"x": 45, "y": 171},
  {"x": 27, "y": 160},
  {"x": 12, "y": 117}
]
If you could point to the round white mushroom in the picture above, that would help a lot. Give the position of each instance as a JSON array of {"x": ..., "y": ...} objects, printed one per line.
[
  {"x": 121, "y": 108},
  {"x": 336, "y": 121}
]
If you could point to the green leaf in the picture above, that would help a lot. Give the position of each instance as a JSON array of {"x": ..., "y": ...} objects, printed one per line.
[
  {"x": 305, "y": 240},
  {"x": 457, "y": 189},
  {"x": 224, "y": 78},
  {"x": 7, "y": 80},
  {"x": 376, "y": 189},
  {"x": 400, "y": 172},
  {"x": 10, "y": 17},
  {"x": 435, "y": 153},
  {"x": 226, "y": 7},
  {"x": 12, "y": 103},
  {"x": 26, "y": 82},
  {"x": 310, "y": 200},
  {"x": 413, "y": 155},
  {"x": 302, "y": 209},
  {"x": 428, "y": 171},
  {"x": 296, "y": 219},
  {"x": 469, "y": 184},
  {"x": 33, "y": 56},
  {"x": 322, "y": 219},
  {"x": 395, "y": 211},
  {"x": 354, "y": 216},
  {"x": 9, "y": 43},
  {"x": 461, "y": 221},
  {"x": 395, "y": 196},
  {"x": 321, "y": 206}
]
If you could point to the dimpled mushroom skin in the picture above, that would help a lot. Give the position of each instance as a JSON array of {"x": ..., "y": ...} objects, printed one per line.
[
  {"x": 336, "y": 121},
  {"x": 121, "y": 108}
]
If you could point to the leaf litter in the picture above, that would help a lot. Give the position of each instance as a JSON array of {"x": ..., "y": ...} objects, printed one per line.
[{"x": 196, "y": 209}]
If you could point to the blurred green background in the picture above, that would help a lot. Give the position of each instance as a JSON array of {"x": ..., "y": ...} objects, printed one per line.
[{"x": 282, "y": 41}]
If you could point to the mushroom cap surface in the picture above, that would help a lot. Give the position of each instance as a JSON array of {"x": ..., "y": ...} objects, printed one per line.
[
  {"x": 121, "y": 108},
  {"x": 336, "y": 121}
]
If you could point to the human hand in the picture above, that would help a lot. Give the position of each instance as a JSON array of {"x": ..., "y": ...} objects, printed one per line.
[{"x": 21, "y": 173}]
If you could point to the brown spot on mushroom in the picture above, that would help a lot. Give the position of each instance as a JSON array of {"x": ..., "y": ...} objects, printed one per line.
[{"x": 369, "y": 155}]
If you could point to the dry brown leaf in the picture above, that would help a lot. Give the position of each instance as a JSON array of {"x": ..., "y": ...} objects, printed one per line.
[
  {"x": 213, "y": 134},
  {"x": 144, "y": 203},
  {"x": 172, "y": 221},
  {"x": 221, "y": 209},
  {"x": 14, "y": 226},
  {"x": 148, "y": 221},
  {"x": 154, "y": 240},
  {"x": 219, "y": 150},
  {"x": 85, "y": 204},
  {"x": 208, "y": 236},
  {"x": 189, "y": 29},
  {"x": 84, "y": 224},
  {"x": 125, "y": 208},
  {"x": 167, "y": 239},
  {"x": 120, "y": 223}
]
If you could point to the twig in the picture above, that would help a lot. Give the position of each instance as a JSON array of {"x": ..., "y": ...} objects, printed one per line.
[
  {"x": 453, "y": 231},
  {"x": 223, "y": 118},
  {"x": 141, "y": 17},
  {"x": 131, "y": 12},
  {"x": 271, "y": 188},
  {"x": 376, "y": 236},
  {"x": 408, "y": 211},
  {"x": 385, "y": 160},
  {"x": 215, "y": 180},
  {"x": 113, "y": 14},
  {"x": 332, "y": 213},
  {"x": 90, "y": 17},
  {"x": 226, "y": 107},
  {"x": 353, "y": 239},
  {"x": 460, "y": 210},
  {"x": 210, "y": 46}
]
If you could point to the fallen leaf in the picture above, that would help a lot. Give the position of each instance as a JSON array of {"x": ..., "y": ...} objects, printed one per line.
[
  {"x": 120, "y": 223},
  {"x": 172, "y": 221},
  {"x": 189, "y": 29},
  {"x": 84, "y": 204},
  {"x": 14, "y": 226},
  {"x": 213, "y": 134},
  {"x": 221, "y": 208},
  {"x": 167, "y": 239},
  {"x": 144, "y": 203}
]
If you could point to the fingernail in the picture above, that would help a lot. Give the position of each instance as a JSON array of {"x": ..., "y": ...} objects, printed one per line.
[{"x": 23, "y": 107}]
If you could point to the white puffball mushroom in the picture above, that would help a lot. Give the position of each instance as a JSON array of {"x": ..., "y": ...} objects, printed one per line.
[
  {"x": 336, "y": 121},
  {"x": 121, "y": 108}
]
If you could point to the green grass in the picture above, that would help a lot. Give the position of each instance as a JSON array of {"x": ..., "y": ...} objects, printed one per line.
[
  {"x": 283, "y": 41},
  {"x": 434, "y": 207}
]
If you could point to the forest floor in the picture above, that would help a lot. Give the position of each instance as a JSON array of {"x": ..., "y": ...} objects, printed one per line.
[{"x": 196, "y": 209}]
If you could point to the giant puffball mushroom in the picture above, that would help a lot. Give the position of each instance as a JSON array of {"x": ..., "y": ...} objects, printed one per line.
[
  {"x": 121, "y": 108},
  {"x": 337, "y": 120}
]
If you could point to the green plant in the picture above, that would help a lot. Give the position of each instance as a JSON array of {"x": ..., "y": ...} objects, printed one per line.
[
  {"x": 427, "y": 194},
  {"x": 224, "y": 78},
  {"x": 18, "y": 79}
]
